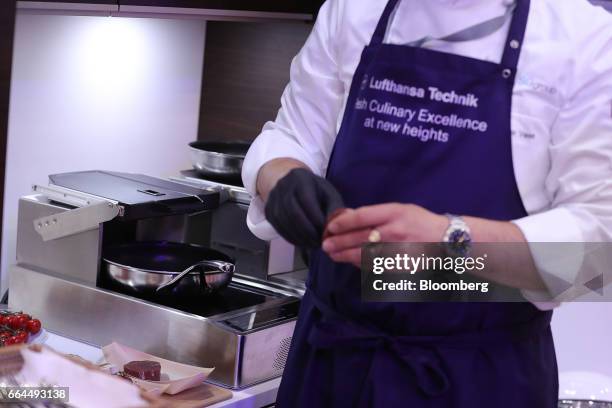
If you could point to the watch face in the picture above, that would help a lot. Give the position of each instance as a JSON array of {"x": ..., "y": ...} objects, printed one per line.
[{"x": 460, "y": 242}]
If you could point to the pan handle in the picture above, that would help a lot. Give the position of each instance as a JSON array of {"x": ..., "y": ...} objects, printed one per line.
[
  {"x": 203, "y": 284},
  {"x": 219, "y": 266}
]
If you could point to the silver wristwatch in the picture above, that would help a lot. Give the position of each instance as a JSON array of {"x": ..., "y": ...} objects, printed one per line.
[{"x": 457, "y": 239}]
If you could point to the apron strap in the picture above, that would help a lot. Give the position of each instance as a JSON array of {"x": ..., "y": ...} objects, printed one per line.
[
  {"x": 417, "y": 353},
  {"x": 516, "y": 35},
  {"x": 383, "y": 23},
  {"x": 334, "y": 332},
  {"x": 484, "y": 338},
  {"x": 512, "y": 48}
]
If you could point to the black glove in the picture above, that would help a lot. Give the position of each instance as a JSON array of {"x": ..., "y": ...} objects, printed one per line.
[{"x": 298, "y": 207}]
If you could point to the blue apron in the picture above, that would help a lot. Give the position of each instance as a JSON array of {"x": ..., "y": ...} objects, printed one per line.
[{"x": 433, "y": 129}]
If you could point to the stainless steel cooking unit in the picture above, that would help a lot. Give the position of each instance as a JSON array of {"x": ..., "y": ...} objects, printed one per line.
[
  {"x": 67, "y": 229},
  {"x": 229, "y": 232}
]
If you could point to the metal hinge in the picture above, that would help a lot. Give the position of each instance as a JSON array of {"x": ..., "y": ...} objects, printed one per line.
[{"x": 91, "y": 211}]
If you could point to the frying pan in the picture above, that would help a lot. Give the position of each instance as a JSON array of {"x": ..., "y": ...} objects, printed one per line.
[
  {"x": 221, "y": 161},
  {"x": 142, "y": 267}
]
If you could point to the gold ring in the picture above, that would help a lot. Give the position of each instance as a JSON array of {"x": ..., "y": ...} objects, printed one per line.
[{"x": 374, "y": 236}]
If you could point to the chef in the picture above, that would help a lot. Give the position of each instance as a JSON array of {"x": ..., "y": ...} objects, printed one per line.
[{"x": 450, "y": 121}]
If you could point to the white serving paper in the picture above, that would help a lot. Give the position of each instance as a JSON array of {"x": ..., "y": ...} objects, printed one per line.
[
  {"x": 175, "y": 377},
  {"x": 87, "y": 388}
]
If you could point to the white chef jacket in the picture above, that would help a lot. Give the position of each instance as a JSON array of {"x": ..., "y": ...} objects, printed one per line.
[{"x": 561, "y": 107}]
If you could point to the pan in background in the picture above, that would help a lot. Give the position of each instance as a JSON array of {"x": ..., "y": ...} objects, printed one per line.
[{"x": 219, "y": 161}]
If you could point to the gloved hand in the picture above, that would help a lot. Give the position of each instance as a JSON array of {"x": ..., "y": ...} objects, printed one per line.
[{"x": 298, "y": 207}]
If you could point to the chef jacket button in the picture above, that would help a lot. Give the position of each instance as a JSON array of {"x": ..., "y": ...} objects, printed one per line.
[
  {"x": 514, "y": 44},
  {"x": 506, "y": 73}
]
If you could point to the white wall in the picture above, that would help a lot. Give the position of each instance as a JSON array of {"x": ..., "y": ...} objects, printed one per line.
[
  {"x": 583, "y": 337},
  {"x": 99, "y": 93}
]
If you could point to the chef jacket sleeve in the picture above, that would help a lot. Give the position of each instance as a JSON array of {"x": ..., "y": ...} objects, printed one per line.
[
  {"x": 580, "y": 177},
  {"x": 304, "y": 128}
]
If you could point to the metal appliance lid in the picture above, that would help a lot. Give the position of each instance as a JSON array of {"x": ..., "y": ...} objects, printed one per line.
[
  {"x": 140, "y": 196},
  {"x": 234, "y": 193}
]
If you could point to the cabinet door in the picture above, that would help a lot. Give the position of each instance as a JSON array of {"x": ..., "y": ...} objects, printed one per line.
[
  {"x": 225, "y": 9},
  {"x": 22, "y": 3},
  {"x": 69, "y": 7},
  {"x": 274, "y": 6}
]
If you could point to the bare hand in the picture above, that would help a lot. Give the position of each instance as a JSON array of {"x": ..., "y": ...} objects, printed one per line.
[{"x": 395, "y": 222}]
